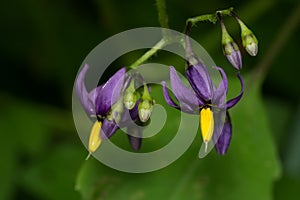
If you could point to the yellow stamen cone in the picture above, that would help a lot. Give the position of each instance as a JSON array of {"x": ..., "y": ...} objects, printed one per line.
[
  {"x": 95, "y": 139},
  {"x": 207, "y": 125}
]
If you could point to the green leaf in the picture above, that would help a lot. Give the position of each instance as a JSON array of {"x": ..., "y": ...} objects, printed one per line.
[
  {"x": 52, "y": 177},
  {"x": 247, "y": 171}
]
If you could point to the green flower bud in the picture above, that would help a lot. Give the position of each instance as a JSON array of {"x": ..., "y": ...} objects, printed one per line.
[
  {"x": 145, "y": 106},
  {"x": 116, "y": 111},
  {"x": 145, "y": 110},
  {"x": 250, "y": 42},
  {"x": 131, "y": 95},
  {"x": 130, "y": 99}
]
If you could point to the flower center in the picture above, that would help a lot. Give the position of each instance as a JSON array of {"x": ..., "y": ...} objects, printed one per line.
[
  {"x": 95, "y": 139},
  {"x": 206, "y": 123}
]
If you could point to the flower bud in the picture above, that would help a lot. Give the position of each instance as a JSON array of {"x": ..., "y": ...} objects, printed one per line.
[
  {"x": 250, "y": 42},
  {"x": 116, "y": 111},
  {"x": 145, "y": 106},
  {"x": 130, "y": 99},
  {"x": 231, "y": 49},
  {"x": 145, "y": 110},
  {"x": 131, "y": 95}
]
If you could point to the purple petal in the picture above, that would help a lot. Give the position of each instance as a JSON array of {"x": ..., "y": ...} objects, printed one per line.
[
  {"x": 135, "y": 138},
  {"x": 130, "y": 116},
  {"x": 110, "y": 92},
  {"x": 235, "y": 100},
  {"x": 93, "y": 93},
  {"x": 109, "y": 127},
  {"x": 134, "y": 112},
  {"x": 167, "y": 96},
  {"x": 200, "y": 81},
  {"x": 224, "y": 140},
  {"x": 221, "y": 92},
  {"x": 187, "y": 99},
  {"x": 235, "y": 59},
  {"x": 87, "y": 103}
]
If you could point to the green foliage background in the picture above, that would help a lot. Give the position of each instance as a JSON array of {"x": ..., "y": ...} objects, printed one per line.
[{"x": 42, "y": 46}]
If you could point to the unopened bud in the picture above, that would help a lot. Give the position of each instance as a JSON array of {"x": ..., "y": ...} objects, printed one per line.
[
  {"x": 250, "y": 42},
  {"x": 230, "y": 48},
  {"x": 116, "y": 111},
  {"x": 130, "y": 99},
  {"x": 131, "y": 96},
  {"x": 145, "y": 110},
  {"x": 146, "y": 105}
]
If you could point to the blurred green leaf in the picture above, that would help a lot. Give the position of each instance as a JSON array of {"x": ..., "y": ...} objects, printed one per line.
[
  {"x": 247, "y": 171},
  {"x": 280, "y": 115},
  {"x": 287, "y": 188},
  {"x": 52, "y": 177},
  {"x": 291, "y": 159}
]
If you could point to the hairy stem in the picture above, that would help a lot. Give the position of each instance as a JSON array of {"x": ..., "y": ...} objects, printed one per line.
[
  {"x": 162, "y": 13},
  {"x": 163, "y": 17}
]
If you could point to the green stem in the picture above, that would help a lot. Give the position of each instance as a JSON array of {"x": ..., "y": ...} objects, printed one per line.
[
  {"x": 210, "y": 17},
  {"x": 163, "y": 21},
  {"x": 149, "y": 53},
  {"x": 162, "y": 14}
]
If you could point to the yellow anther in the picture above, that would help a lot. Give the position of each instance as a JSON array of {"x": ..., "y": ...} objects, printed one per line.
[
  {"x": 95, "y": 139},
  {"x": 207, "y": 124}
]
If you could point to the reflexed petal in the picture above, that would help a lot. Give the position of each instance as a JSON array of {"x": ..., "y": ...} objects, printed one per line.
[
  {"x": 200, "y": 81},
  {"x": 224, "y": 140},
  {"x": 235, "y": 100},
  {"x": 87, "y": 103},
  {"x": 93, "y": 93},
  {"x": 109, "y": 127},
  {"x": 167, "y": 96},
  {"x": 135, "y": 138},
  {"x": 187, "y": 99},
  {"x": 221, "y": 92},
  {"x": 110, "y": 92}
]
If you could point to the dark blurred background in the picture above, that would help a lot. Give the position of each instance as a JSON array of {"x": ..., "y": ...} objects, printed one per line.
[{"x": 42, "y": 46}]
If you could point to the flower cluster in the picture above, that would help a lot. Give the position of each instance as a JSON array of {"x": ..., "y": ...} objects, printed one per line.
[
  {"x": 125, "y": 100},
  {"x": 115, "y": 104}
]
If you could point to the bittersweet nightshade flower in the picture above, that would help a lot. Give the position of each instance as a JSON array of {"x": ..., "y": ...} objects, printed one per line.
[
  {"x": 98, "y": 103},
  {"x": 203, "y": 98},
  {"x": 230, "y": 48},
  {"x": 250, "y": 42}
]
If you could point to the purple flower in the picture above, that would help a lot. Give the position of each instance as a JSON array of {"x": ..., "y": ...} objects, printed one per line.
[
  {"x": 98, "y": 103},
  {"x": 202, "y": 98},
  {"x": 106, "y": 104}
]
